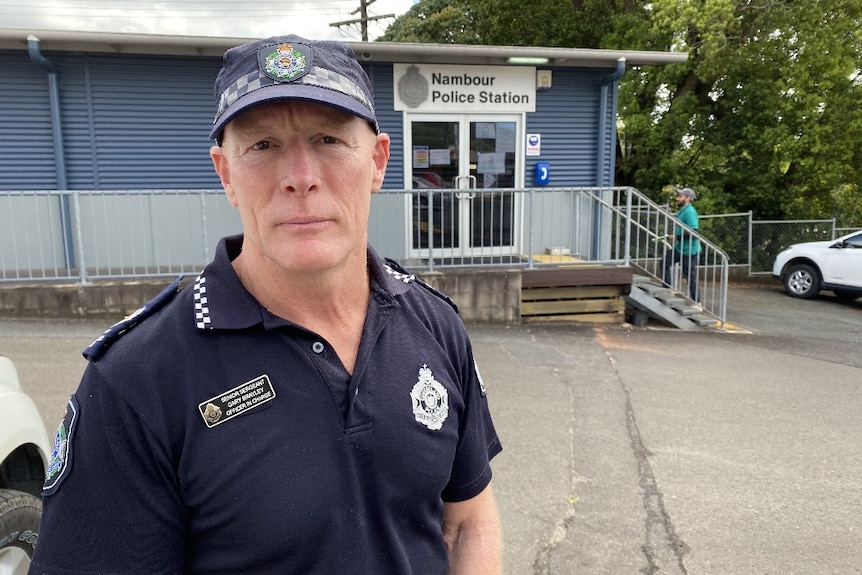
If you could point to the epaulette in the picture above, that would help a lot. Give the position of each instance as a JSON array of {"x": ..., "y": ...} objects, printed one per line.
[
  {"x": 401, "y": 273},
  {"x": 98, "y": 348}
]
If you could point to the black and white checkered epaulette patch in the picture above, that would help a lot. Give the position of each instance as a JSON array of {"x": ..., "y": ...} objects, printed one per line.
[
  {"x": 98, "y": 348},
  {"x": 395, "y": 270},
  {"x": 202, "y": 307},
  {"x": 400, "y": 274}
]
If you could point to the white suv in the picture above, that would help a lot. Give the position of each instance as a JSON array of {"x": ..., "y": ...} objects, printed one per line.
[
  {"x": 24, "y": 452},
  {"x": 807, "y": 268}
]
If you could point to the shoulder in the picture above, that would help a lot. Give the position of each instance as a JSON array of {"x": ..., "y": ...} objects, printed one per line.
[
  {"x": 419, "y": 288},
  {"x": 141, "y": 324},
  {"x": 689, "y": 212}
]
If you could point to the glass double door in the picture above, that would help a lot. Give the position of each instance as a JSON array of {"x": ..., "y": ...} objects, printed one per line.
[{"x": 461, "y": 169}]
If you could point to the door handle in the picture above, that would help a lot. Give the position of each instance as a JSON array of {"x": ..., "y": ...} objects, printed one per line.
[{"x": 470, "y": 182}]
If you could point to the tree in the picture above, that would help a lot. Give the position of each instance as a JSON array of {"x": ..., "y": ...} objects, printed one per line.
[
  {"x": 764, "y": 116},
  {"x": 437, "y": 21}
]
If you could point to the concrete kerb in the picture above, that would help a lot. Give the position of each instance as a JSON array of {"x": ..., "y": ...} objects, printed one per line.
[{"x": 483, "y": 295}]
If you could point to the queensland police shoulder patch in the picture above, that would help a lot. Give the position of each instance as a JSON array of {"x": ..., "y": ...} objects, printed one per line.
[
  {"x": 61, "y": 453},
  {"x": 430, "y": 400}
]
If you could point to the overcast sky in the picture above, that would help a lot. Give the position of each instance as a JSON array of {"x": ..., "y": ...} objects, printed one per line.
[{"x": 229, "y": 18}]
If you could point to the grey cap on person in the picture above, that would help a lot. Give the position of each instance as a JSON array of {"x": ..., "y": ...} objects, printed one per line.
[
  {"x": 686, "y": 192},
  {"x": 291, "y": 68}
]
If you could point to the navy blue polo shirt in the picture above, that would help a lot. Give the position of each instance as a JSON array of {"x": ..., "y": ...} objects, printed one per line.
[{"x": 214, "y": 437}]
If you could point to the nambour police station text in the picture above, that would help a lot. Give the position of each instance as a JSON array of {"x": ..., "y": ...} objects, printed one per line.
[{"x": 455, "y": 96}]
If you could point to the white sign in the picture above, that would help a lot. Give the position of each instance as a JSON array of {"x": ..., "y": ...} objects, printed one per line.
[
  {"x": 534, "y": 144},
  {"x": 441, "y": 88}
]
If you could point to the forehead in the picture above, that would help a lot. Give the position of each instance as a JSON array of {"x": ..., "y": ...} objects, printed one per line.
[{"x": 297, "y": 110}]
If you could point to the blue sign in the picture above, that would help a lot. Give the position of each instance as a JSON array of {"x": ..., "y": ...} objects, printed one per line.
[{"x": 543, "y": 173}]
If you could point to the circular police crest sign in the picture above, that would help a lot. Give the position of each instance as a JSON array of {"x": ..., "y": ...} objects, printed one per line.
[{"x": 430, "y": 400}]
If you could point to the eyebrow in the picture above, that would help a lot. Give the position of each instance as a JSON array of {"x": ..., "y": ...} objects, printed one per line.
[{"x": 334, "y": 118}]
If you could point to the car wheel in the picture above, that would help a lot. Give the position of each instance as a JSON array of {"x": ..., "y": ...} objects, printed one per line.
[
  {"x": 802, "y": 280},
  {"x": 20, "y": 514}
]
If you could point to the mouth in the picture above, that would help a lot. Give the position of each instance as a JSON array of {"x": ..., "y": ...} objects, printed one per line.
[{"x": 306, "y": 222}]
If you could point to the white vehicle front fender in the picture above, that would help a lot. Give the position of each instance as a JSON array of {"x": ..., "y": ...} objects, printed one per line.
[{"x": 20, "y": 422}]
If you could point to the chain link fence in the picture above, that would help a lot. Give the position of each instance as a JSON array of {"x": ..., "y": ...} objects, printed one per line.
[
  {"x": 754, "y": 244},
  {"x": 770, "y": 237},
  {"x": 730, "y": 232}
]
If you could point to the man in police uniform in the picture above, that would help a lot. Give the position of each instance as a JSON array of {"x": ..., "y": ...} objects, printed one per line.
[{"x": 303, "y": 406}]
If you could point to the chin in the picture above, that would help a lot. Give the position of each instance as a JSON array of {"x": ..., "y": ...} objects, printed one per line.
[{"x": 311, "y": 258}]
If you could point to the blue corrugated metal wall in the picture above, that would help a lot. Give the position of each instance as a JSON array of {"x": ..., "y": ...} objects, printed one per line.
[
  {"x": 26, "y": 141},
  {"x": 129, "y": 122},
  {"x": 136, "y": 122},
  {"x": 139, "y": 122},
  {"x": 390, "y": 121},
  {"x": 567, "y": 117}
]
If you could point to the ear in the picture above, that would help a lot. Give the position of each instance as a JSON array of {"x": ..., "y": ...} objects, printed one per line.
[
  {"x": 222, "y": 168},
  {"x": 381, "y": 160}
]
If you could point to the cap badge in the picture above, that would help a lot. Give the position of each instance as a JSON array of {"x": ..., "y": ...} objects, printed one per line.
[
  {"x": 287, "y": 62},
  {"x": 212, "y": 413},
  {"x": 430, "y": 400}
]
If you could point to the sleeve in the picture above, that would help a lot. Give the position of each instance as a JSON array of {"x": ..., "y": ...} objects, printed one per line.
[
  {"x": 478, "y": 442},
  {"x": 111, "y": 503}
]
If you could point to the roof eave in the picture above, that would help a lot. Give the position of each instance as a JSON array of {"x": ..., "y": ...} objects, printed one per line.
[{"x": 76, "y": 41}]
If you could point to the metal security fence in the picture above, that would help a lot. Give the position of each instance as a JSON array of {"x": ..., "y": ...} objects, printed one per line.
[{"x": 83, "y": 236}]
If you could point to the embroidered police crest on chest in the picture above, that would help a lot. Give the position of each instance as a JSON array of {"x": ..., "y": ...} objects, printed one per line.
[{"x": 430, "y": 400}]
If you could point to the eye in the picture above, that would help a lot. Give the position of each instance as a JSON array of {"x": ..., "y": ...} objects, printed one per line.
[
  {"x": 329, "y": 140},
  {"x": 262, "y": 145}
]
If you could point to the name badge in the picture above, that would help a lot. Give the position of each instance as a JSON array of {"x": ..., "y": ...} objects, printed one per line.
[{"x": 245, "y": 397}]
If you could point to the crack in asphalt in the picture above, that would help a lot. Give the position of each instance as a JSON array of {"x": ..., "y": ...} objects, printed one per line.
[
  {"x": 542, "y": 564},
  {"x": 663, "y": 549}
]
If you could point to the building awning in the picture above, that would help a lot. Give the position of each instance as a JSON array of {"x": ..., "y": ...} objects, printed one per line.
[{"x": 74, "y": 41}]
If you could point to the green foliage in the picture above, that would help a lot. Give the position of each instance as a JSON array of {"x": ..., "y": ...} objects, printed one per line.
[
  {"x": 436, "y": 21},
  {"x": 764, "y": 116}
]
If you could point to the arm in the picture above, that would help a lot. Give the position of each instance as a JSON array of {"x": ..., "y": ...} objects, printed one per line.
[{"x": 472, "y": 532}]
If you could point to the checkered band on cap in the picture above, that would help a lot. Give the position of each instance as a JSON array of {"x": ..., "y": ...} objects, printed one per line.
[
  {"x": 320, "y": 77},
  {"x": 291, "y": 67}
]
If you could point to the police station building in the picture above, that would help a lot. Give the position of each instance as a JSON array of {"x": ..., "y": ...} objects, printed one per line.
[{"x": 96, "y": 111}]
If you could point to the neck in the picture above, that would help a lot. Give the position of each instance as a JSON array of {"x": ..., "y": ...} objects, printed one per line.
[
  {"x": 308, "y": 298},
  {"x": 332, "y": 304}
]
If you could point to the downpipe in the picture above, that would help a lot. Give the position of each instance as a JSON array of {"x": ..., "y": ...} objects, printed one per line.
[
  {"x": 59, "y": 153},
  {"x": 607, "y": 82}
]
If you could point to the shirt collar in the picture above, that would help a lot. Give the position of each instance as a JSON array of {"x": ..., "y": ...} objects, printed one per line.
[{"x": 222, "y": 302}]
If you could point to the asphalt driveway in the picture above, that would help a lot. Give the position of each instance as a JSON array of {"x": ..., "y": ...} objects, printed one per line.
[{"x": 642, "y": 450}]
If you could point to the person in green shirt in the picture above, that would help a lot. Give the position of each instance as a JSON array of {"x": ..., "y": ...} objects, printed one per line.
[{"x": 686, "y": 247}]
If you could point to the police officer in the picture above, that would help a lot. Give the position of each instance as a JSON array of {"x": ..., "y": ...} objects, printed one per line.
[{"x": 303, "y": 406}]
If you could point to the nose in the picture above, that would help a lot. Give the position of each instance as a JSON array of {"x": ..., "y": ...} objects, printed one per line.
[{"x": 300, "y": 169}]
